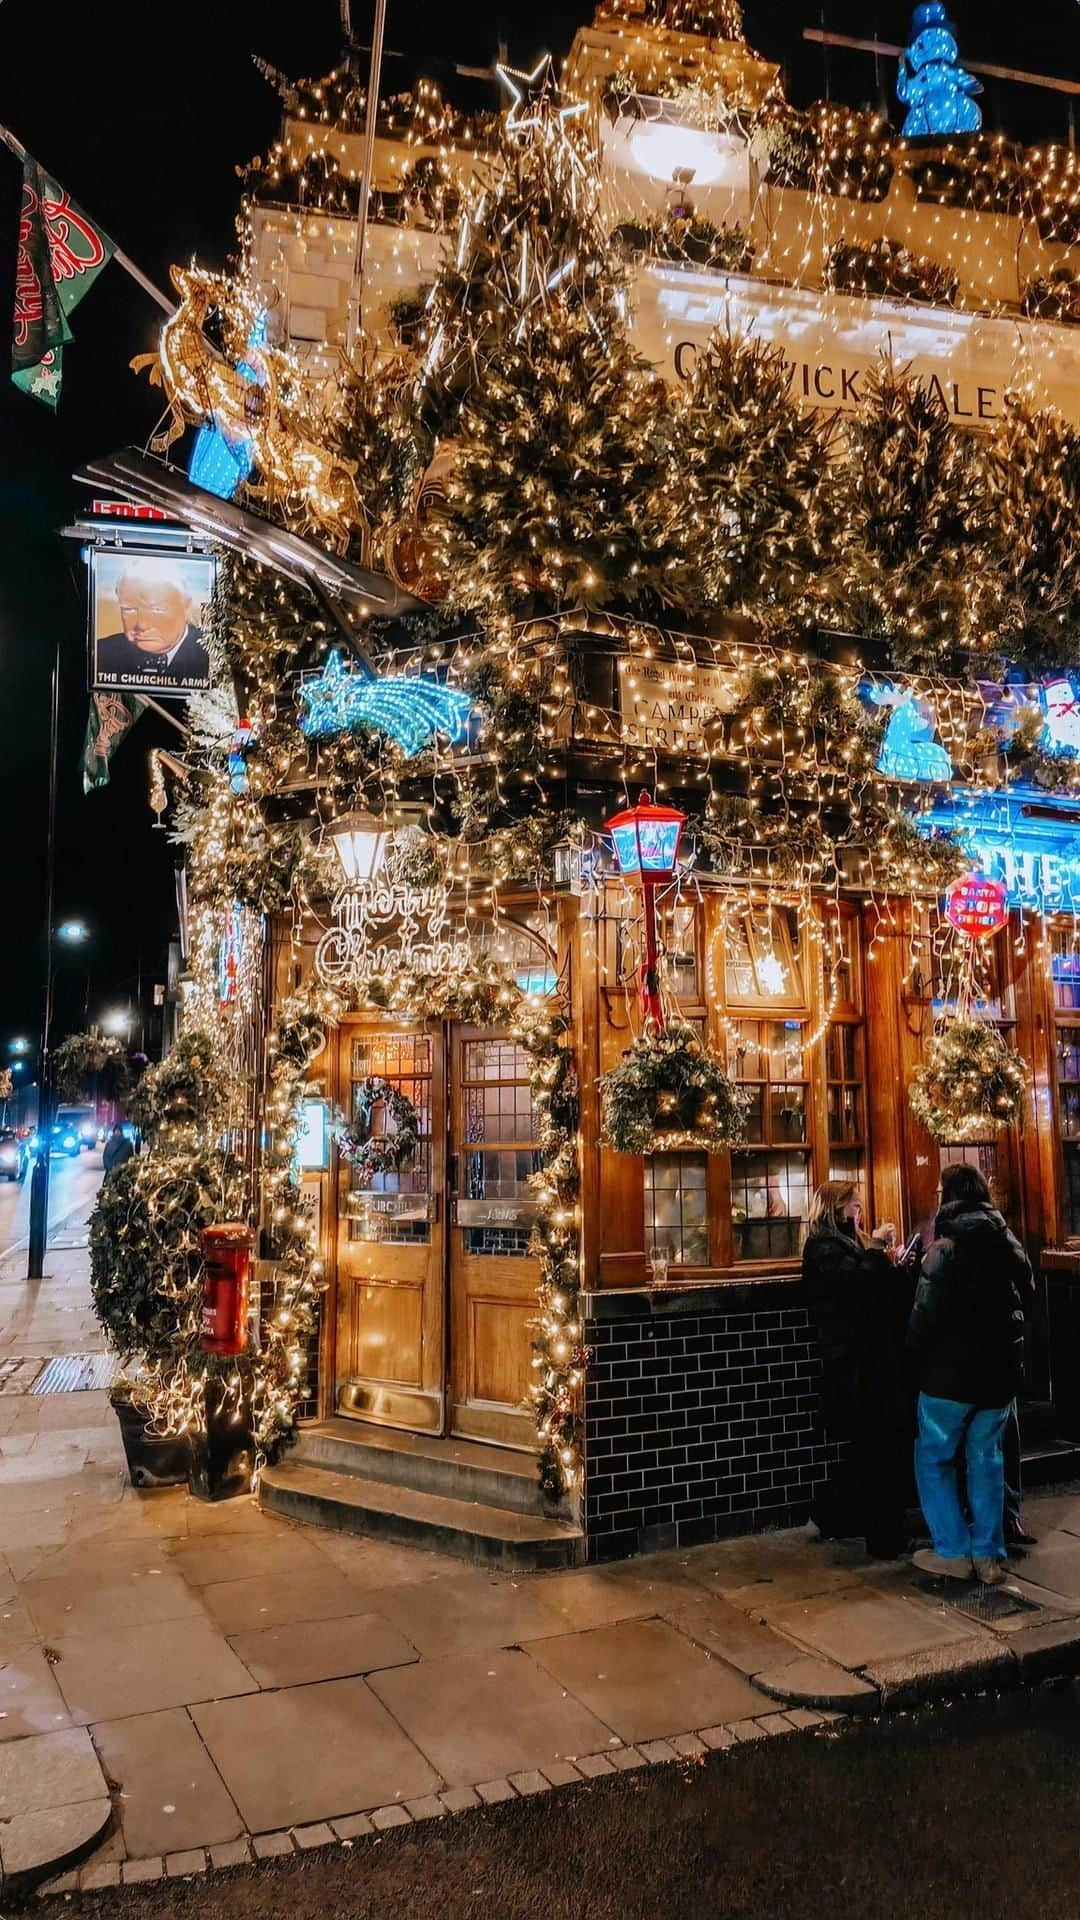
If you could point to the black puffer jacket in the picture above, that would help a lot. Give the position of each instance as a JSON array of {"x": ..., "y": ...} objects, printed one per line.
[
  {"x": 967, "y": 1324},
  {"x": 851, "y": 1293}
]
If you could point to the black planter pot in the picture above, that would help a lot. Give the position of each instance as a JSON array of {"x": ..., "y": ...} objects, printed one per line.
[
  {"x": 222, "y": 1458},
  {"x": 153, "y": 1459}
]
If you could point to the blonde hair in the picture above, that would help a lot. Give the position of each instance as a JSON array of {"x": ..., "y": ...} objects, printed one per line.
[{"x": 827, "y": 1206}]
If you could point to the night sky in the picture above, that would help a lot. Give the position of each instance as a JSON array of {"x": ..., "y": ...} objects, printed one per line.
[{"x": 143, "y": 112}]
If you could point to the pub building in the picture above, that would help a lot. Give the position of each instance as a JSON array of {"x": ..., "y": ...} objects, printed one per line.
[
  {"x": 698, "y": 1361},
  {"x": 699, "y": 1382}
]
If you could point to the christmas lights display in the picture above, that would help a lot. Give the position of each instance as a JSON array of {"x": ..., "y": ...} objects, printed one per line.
[{"x": 796, "y": 625}]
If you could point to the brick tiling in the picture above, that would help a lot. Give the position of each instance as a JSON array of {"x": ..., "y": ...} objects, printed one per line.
[{"x": 700, "y": 1424}]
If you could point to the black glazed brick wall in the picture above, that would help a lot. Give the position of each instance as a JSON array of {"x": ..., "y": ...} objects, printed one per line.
[{"x": 699, "y": 1423}]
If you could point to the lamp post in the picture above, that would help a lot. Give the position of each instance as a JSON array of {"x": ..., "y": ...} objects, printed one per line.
[{"x": 646, "y": 841}]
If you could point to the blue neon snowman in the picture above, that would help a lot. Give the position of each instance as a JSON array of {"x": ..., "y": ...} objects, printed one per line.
[{"x": 936, "y": 90}]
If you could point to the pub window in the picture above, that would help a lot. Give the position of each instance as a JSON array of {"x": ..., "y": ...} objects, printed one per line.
[
  {"x": 770, "y": 1177},
  {"x": 676, "y": 1208},
  {"x": 761, "y": 961},
  {"x": 678, "y": 938},
  {"x": 1065, "y": 980},
  {"x": 845, "y": 1100},
  {"x": 394, "y": 1207},
  {"x": 499, "y": 1153}
]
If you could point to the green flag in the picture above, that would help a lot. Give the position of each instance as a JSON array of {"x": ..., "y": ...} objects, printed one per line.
[
  {"x": 60, "y": 255},
  {"x": 112, "y": 716}
]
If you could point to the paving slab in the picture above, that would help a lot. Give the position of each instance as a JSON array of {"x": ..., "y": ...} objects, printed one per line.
[
  {"x": 171, "y": 1795},
  {"x": 645, "y": 1680},
  {"x": 485, "y": 1716},
  {"x": 473, "y": 1611},
  {"x": 76, "y": 1604},
  {"x": 583, "y": 1597},
  {"x": 818, "y": 1683},
  {"x": 1054, "y": 1564},
  {"x": 107, "y": 1676},
  {"x": 1047, "y": 1651},
  {"x": 246, "y": 1555},
  {"x": 380, "y": 1563},
  {"x": 316, "y": 1593},
  {"x": 725, "y": 1630},
  {"x": 309, "y": 1753},
  {"x": 855, "y": 1625},
  {"x": 30, "y": 1700},
  {"x": 48, "y": 1770},
  {"x": 33, "y": 1846},
  {"x": 294, "y": 1655}
]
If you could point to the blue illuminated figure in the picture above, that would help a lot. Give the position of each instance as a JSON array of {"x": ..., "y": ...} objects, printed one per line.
[
  {"x": 932, "y": 84},
  {"x": 909, "y": 750},
  {"x": 220, "y": 462},
  {"x": 411, "y": 711}
]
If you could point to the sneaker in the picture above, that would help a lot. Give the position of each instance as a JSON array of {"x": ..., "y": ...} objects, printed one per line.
[
  {"x": 942, "y": 1567},
  {"x": 991, "y": 1573}
]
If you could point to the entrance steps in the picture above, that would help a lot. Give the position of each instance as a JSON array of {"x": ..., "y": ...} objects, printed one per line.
[{"x": 476, "y": 1502}]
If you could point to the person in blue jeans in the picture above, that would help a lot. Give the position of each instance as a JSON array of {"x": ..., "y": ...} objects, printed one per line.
[{"x": 967, "y": 1332}]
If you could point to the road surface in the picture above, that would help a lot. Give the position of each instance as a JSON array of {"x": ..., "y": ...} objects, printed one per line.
[{"x": 72, "y": 1185}]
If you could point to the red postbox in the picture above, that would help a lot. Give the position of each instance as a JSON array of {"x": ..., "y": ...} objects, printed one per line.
[{"x": 226, "y": 1252}]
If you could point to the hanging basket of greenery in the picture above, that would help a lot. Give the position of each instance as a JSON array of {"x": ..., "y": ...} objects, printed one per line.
[
  {"x": 84, "y": 1058},
  {"x": 368, "y": 1153},
  {"x": 970, "y": 1084},
  {"x": 668, "y": 1093}
]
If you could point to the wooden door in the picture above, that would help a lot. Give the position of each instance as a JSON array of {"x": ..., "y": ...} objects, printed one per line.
[
  {"x": 493, "y": 1276},
  {"x": 391, "y": 1241}
]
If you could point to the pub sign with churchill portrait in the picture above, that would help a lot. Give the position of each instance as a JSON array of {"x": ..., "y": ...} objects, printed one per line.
[{"x": 148, "y": 619}]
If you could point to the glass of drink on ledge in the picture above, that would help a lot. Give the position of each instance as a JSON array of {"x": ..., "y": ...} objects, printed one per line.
[{"x": 659, "y": 1262}]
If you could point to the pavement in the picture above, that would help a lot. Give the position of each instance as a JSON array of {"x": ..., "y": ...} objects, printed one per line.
[{"x": 186, "y": 1687}]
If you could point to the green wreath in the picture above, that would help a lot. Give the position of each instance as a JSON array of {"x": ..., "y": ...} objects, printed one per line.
[
  {"x": 970, "y": 1084},
  {"x": 367, "y": 1153},
  {"x": 670, "y": 1092}
]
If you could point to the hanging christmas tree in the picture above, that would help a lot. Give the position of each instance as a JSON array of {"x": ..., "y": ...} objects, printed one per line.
[
  {"x": 1034, "y": 467},
  {"x": 557, "y": 429},
  {"x": 743, "y": 494},
  {"x": 912, "y": 512}
]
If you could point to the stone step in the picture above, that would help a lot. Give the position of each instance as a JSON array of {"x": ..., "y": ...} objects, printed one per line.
[
  {"x": 468, "y": 1529},
  {"x": 453, "y": 1469}
]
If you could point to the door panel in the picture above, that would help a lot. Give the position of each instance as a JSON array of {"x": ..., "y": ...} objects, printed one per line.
[
  {"x": 493, "y": 1277},
  {"x": 391, "y": 1250}
]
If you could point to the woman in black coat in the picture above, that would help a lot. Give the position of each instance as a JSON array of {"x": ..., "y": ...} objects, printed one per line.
[{"x": 854, "y": 1293}]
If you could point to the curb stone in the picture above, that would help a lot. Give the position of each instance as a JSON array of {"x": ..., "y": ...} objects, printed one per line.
[{"x": 944, "y": 1673}]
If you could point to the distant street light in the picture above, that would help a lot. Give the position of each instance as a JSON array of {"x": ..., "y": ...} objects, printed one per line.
[
  {"x": 19, "y": 1046},
  {"x": 72, "y": 932},
  {"x": 117, "y": 1020}
]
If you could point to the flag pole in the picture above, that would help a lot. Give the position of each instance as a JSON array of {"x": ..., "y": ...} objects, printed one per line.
[{"x": 121, "y": 258}]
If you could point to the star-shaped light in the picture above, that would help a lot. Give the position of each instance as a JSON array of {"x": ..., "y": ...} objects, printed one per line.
[
  {"x": 534, "y": 96},
  {"x": 412, "y": 711}
]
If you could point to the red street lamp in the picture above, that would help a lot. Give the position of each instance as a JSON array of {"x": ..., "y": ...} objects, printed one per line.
[{"x": 646, "y": 841}]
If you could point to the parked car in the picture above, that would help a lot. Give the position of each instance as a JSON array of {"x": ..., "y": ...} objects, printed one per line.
[{"x": 15, "y": 1154}]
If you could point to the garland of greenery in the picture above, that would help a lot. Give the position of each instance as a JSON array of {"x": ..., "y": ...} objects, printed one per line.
[
  {"x": 970, "y": 1083},
  {"x": 669, "y": 1092},
  {"x": 367, "y": 1153}
]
